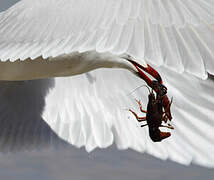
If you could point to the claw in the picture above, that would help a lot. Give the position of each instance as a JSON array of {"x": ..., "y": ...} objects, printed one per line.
[
  {"x": 143, "y": 75},
  {"x": 156, "y": 85},
  {"x": 147, "y": 69}
]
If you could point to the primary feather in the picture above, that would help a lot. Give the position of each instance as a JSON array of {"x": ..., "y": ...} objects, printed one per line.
[{"x": 174, "y": 33}]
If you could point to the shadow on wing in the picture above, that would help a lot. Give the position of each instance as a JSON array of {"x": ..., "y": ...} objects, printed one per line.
[{"x": 21, "y": 125}]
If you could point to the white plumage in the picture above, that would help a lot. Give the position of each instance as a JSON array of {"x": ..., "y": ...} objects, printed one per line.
[{"x": 51, "y": 38}]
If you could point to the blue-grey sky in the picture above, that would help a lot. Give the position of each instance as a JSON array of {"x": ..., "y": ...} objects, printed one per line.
[
  {"x": 71, "y": 163},
  {"x": 4, "y": 4}
]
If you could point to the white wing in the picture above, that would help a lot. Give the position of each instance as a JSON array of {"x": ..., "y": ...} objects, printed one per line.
[
  {"x": 174, "y": 33},
  {"x": 90, "y": 109}
]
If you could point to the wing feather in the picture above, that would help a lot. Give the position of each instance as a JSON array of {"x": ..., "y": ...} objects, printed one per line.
[
  {"x": 53, "y": 28},
  {"x": 100, "y": 114}
]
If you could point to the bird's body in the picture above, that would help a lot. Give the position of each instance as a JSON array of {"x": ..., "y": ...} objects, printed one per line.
[{"x": 54, "y": 38}]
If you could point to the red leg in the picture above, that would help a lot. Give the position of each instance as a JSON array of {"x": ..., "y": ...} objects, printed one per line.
[
  {"x": 144, "y": 125},
  {"x": 170, "y": 126},
  {"x": 140, "y": 105},
  {"x": 164, "y": 118},
  {"x": 139, "y": 119}
]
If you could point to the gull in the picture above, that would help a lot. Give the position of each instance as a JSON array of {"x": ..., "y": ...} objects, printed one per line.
[{"x": 85, "y": 46}]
